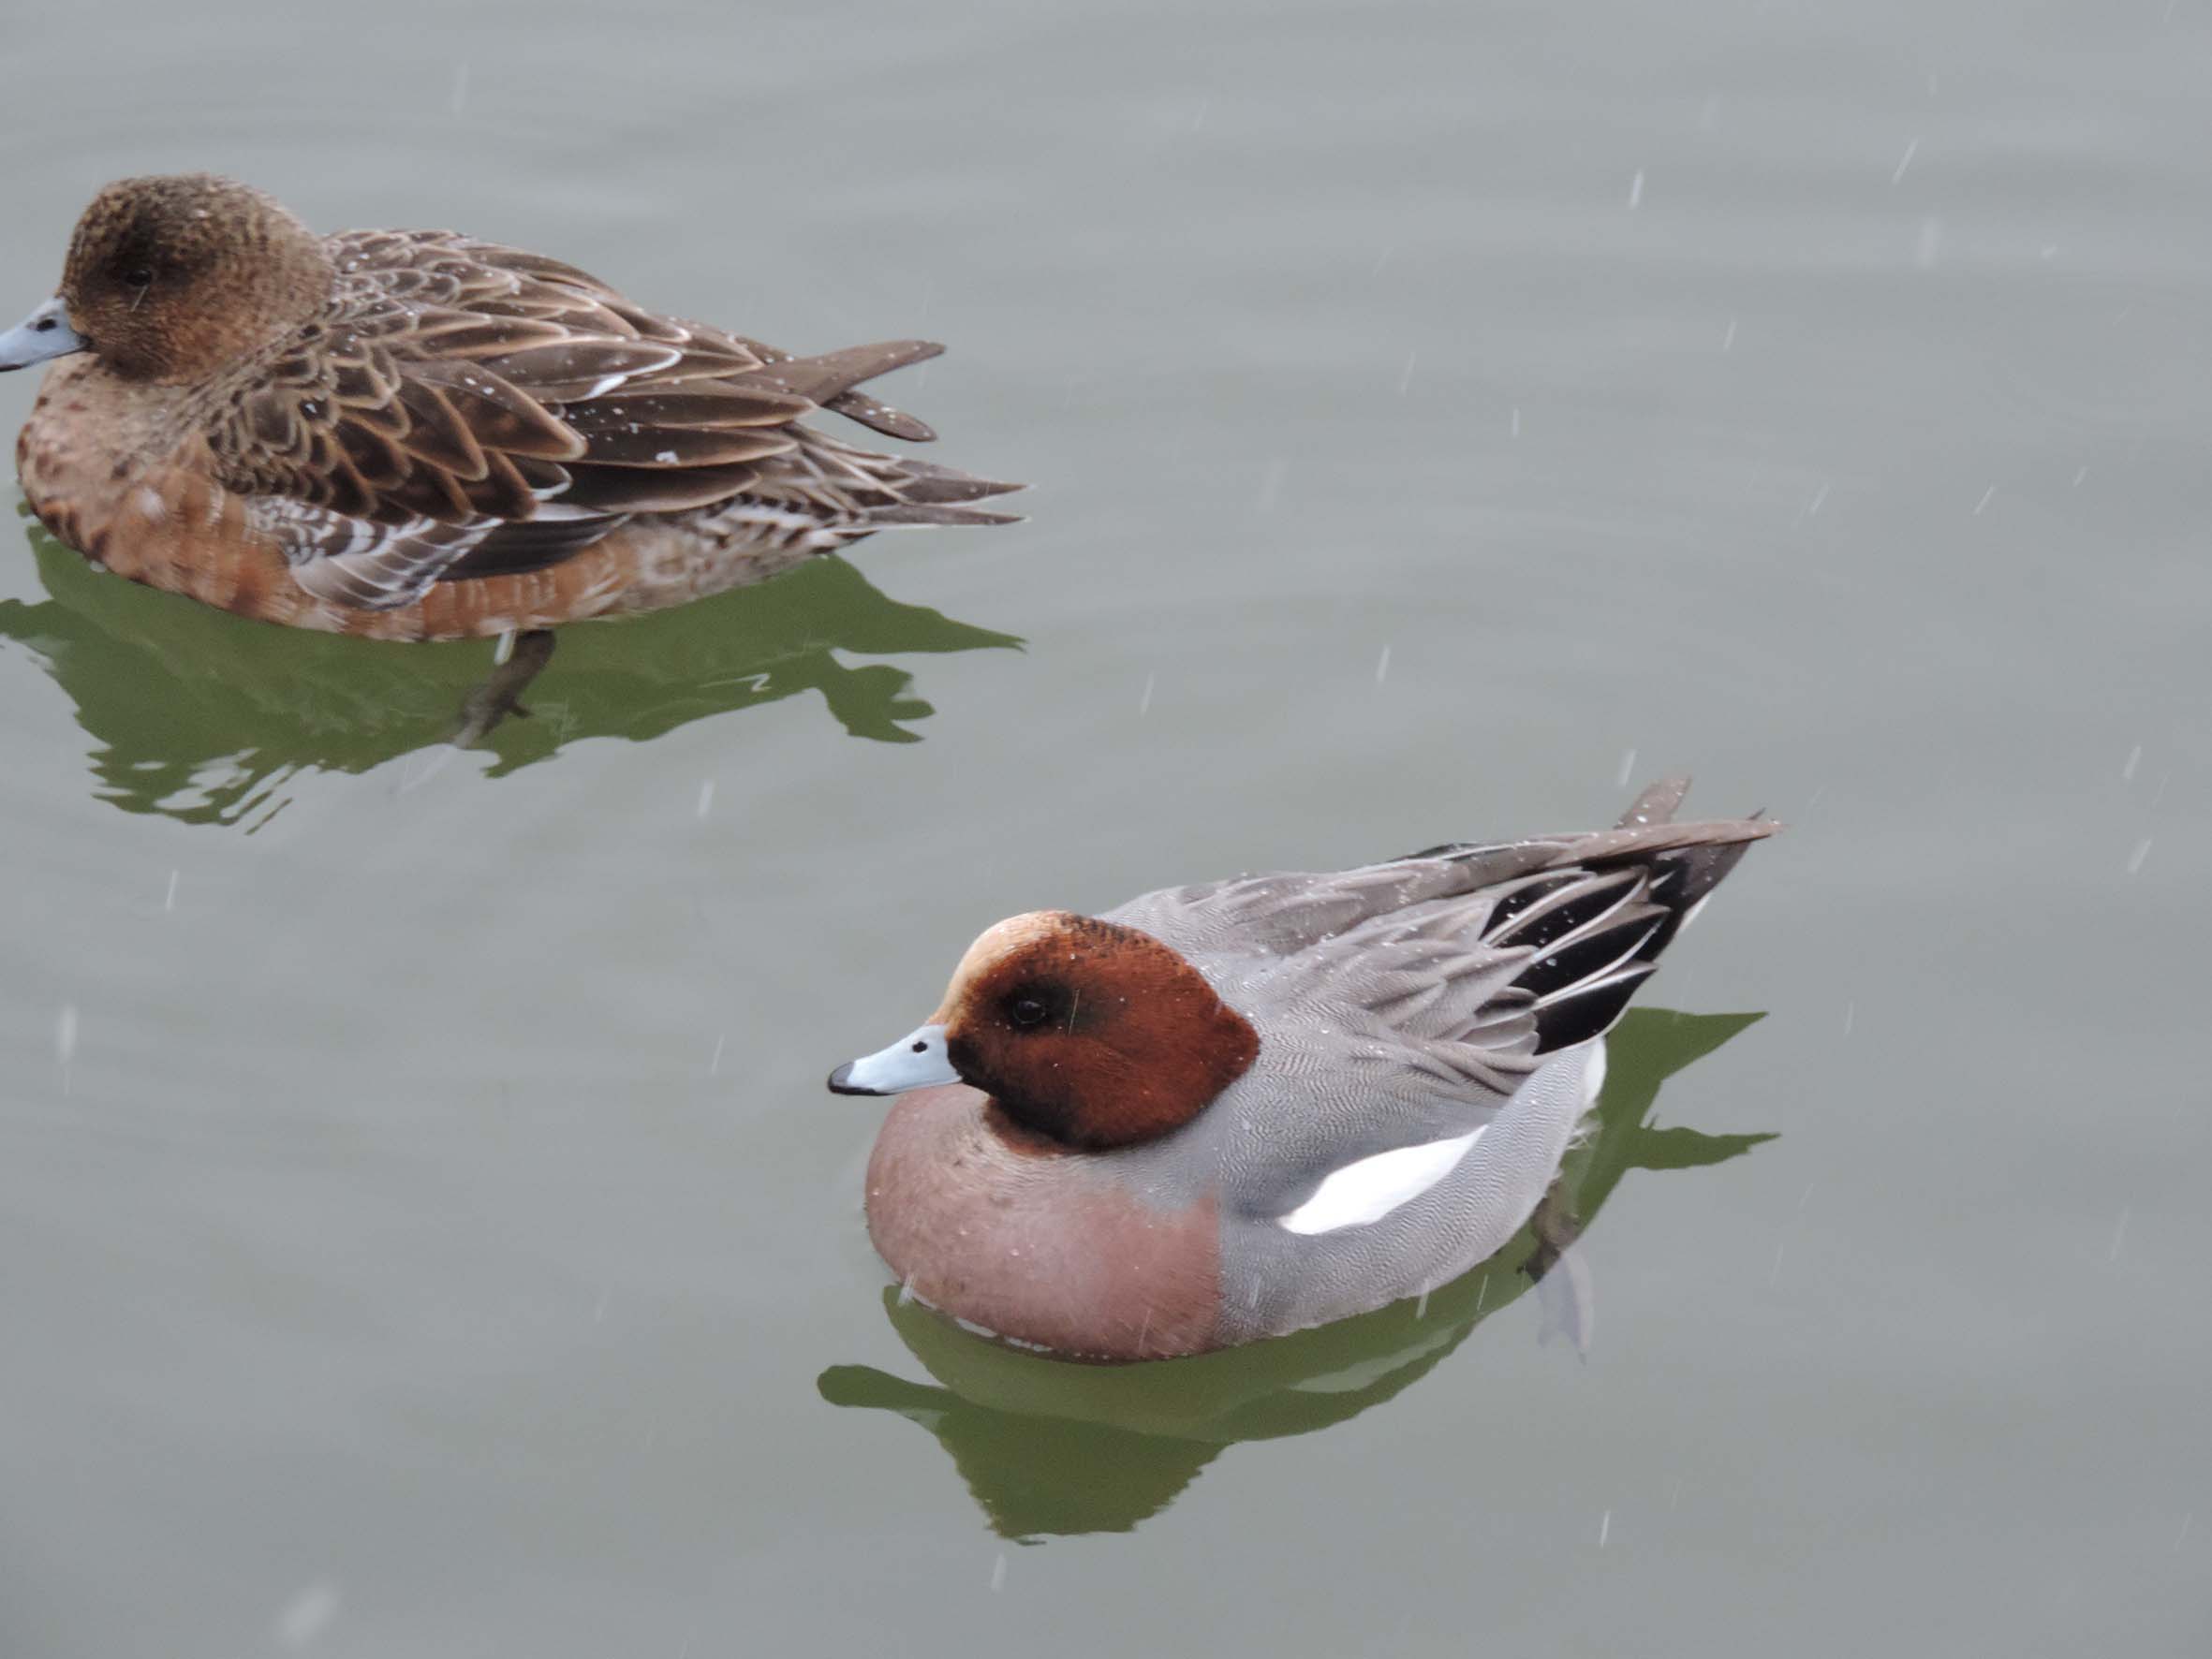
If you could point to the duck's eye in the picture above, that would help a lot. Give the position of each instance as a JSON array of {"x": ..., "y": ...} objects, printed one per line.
[
  {"x": 1026, "y": 1011},
  {"x": 139, "y": 276}
]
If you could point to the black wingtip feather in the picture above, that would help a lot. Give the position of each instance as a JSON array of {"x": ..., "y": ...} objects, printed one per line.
[
  {"x": 1594, "y": 946},
  {"x": 1589, "y": 1010}
]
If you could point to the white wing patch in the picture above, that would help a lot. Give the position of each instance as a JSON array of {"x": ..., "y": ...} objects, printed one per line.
[
  {"x": 1593, "y": 1072},
  {"x": 1370, "y": 1189}
]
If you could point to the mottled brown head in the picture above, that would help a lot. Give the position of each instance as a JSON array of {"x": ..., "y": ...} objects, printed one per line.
[
  {"x": 1093, "y": 1033},
  {"x": 173, "y": 279}
]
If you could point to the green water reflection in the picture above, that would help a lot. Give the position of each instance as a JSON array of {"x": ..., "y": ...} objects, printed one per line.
[
  {"x": 1048, "y": 1447},
  {"x": 204, "y": 716}
]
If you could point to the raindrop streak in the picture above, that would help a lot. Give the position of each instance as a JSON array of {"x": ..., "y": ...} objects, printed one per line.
[
  {"x": 1851, "y": 1017},
  {"x": 1988, "y": 495},
  {"x": 2127, "y": 771},
  {"x": 2142, "y": 852},
  {"x": 168, "y": 903},
  {"x": 1605, "y": 1528},
  {"x": 1271, "y": 487},
  {"x": 1145, "y": 702},
  {"x": 1384, "y": 258},
  {"x": 1406, "y": 379},
  {"x": 998, "y": 1572},
  {"x": 1728, "y": 340},
  {"x": 706, "y": 797},
  {"x": 2119, "y": 1233},
  {"x": 1517, "y": 420},
  {"x": 714, "y": 1065},
  {"x": 1636, "y": 190},
  {"x": 503, "y": 650},
  {"x": 2080, "y": 477},
  {"x": 1820, "y": 499},
  {"x": 307, "y": 1615},
  {"x": 1627, "y": 770},
  {"x": 1420, "y": 1304},
  {"x": 2182, "y": 1536},
  {"x": 1931, "y": 242},
  {"x": 1382, "y": 666},
  {"x": 65, "y": 1035},
  {"x": 1898, "y": 177}
]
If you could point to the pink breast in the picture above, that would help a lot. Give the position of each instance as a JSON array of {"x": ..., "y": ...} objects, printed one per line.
[{"x": 1009, "y": 1231}]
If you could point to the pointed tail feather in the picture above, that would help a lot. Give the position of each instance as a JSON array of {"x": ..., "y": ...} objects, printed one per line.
[
  {"x": 1625, "y": 893},
  {"x": 862, "y": 490},
  {"x": 877, "y": 415},
  {"x": 931, "y": 494},
  {"x": 927, "y": 481},
  {"x": 900, "y": 514},
  {"x": 1657, "y": 804},
  {"x": 829, "y": 379},
  {"x": 927, "y": 494}
]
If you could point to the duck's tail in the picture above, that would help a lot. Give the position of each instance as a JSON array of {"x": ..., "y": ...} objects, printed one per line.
[
  {"x": 829, "y": 379},
  {"x": 890, "y": 491},
  {"x": 1618, "y": 900},
  {"x": 933, "y": 494},
  {"x": 1688, "y": 860}
]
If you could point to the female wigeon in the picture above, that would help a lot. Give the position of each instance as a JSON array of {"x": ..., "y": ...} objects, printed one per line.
[
  {"x": 1234, "y": 1110},
  {"x": 411, "y": 434}
]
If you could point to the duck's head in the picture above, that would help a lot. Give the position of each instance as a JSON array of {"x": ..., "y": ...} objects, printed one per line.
[
  {"x": 171, "y": 279},
  {"x": 1089, "y": 1033}
]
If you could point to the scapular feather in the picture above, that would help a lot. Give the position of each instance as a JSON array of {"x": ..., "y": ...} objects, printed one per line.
[{"x": 463, "y": 409}]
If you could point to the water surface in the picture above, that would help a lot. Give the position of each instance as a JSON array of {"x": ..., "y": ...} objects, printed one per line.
[{"x": 424, "y": 1229}]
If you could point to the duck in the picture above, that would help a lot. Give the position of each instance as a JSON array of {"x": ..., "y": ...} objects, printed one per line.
[
  {"x": 1226, "y": 1112},
  {"x": 415, "y": 435}
]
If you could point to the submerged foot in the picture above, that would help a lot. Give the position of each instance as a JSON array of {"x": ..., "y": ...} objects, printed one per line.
[
  {"x": 500, "y": 694},
  {"x": 1561, "y": 1276}
]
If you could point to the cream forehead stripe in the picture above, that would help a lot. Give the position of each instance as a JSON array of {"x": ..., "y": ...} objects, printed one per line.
[{"x": 1003, "y": 938}]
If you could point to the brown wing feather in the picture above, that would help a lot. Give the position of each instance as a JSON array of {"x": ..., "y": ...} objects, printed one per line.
[{"x": 457, "y": 392}]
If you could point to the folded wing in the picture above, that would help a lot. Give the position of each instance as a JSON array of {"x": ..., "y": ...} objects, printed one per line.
[{"x": 466, "y": 409}]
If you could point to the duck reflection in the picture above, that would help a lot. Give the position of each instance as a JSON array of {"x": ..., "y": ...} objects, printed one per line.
[
  {"x": 202, "y": 717},
  {"x": 1050, "y": 1447}
]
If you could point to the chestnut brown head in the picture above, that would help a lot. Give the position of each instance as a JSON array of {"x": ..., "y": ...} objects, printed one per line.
[{"x": 1089, "y": 1033}]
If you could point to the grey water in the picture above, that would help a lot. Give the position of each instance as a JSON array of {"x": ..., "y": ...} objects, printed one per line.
[{"x": 423, "y": 1228}]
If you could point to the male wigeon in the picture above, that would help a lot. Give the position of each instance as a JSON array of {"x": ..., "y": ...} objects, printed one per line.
[
  {"x": 411, "y": 434},
  {"x": 1238, "y": 1109}
]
